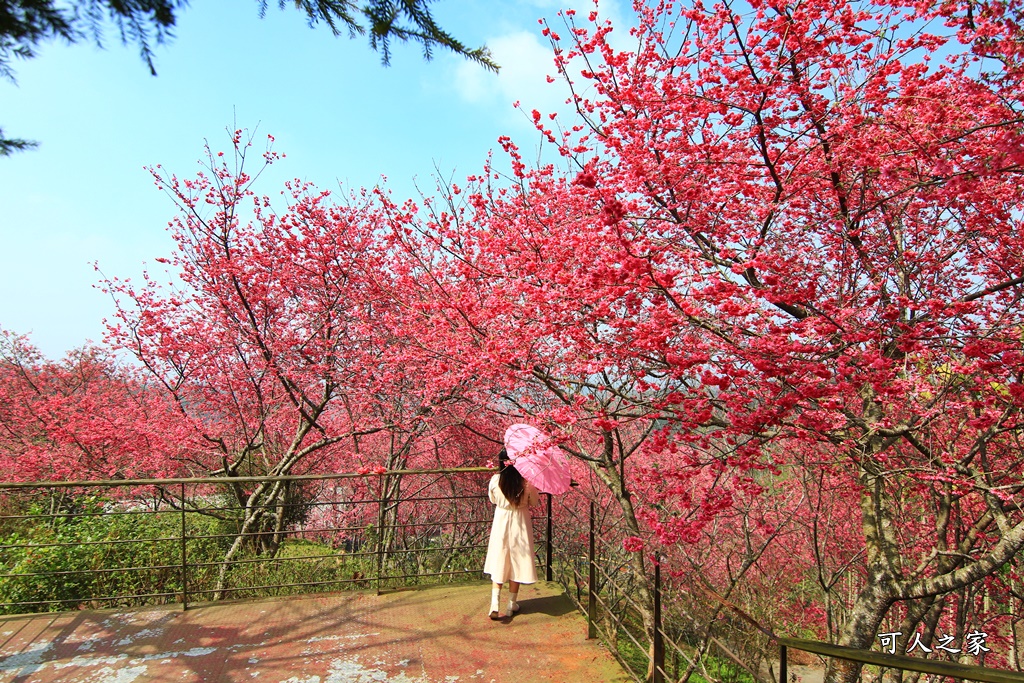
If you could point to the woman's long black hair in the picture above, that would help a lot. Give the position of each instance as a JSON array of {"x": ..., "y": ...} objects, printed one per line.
[{"x": 511, "y": 483}]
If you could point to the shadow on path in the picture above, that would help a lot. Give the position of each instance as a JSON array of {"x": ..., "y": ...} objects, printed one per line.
[{"x": 418, "y": 636}]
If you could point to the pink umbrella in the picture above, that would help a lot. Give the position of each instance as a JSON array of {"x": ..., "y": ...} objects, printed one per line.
[{"x": 541, "y": 462}]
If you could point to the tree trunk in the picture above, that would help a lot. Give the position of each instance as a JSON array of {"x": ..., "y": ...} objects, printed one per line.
[
  {"x": 613, "y": 479},
  {"x": 859, "y": 632}
]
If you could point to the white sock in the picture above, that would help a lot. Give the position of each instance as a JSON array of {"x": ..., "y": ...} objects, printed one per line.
[
  {"x": 512, "y": 604},
  {"x": 495, "y": 593}
]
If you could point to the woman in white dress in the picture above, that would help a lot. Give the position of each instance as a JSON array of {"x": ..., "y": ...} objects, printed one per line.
[{"x": 510, "y": 555}]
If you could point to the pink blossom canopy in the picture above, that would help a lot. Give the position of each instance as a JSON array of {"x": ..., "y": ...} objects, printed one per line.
[{"x": 541, "y": 462}]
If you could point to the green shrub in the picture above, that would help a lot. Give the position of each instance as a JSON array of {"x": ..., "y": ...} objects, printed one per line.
[
  {"x": 300, "y": 566},
  {"x": 97, "y": 554},
  {"x": 64, "y": 562}
]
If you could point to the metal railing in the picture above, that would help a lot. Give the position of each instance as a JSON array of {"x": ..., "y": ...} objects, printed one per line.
[
  {"x": 594, "y": 571},
  {"x": 68, "y": 545},
  {"x": 954, "y": 670},
  {"x": 604, "y": 588},
  {"x": 65, "y": 545}
]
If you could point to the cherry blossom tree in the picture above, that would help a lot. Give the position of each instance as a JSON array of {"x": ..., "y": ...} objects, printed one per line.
[
  {"x": 780, "y": 254},
  {"x": 827, "y": 198},
  {"x": 83, "y": 417},
  {"x": 784, "y": 228},
  {"x": 267, "y": 340}
]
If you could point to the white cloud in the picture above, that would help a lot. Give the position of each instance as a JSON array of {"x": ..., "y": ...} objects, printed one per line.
[
  {"x": 525, "y": 65},
  {"x": 527, "y": 60}
]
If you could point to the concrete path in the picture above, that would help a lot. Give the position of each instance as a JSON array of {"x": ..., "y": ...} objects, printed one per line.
[{"x": 428, "y": 635}]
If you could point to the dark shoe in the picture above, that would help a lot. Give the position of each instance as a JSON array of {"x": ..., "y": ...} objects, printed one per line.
[{"x": 494, "y": 615}]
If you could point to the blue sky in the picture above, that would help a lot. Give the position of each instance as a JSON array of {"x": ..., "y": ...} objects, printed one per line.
[{"x": 338, "y": 114}]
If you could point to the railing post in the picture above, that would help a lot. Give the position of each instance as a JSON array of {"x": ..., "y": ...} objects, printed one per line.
[
  {"x": 658, "y": 675},
  {"x": 547, "y": 571},
  {"x": 783, "y": 673},
  {"x": 184, "y": 556},
  {"x": 592, "y": 584},
  {"x": 380, "y": 530}
]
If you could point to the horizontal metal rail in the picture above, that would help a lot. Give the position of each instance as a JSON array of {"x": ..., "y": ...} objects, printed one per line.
[
  {"x": 918, "y": 664},
  {"x": 167, "y": 483},
  {"x": 112, "y": 598},
  {"x": 135, "y": 541},
  {"x": 101, "y": 570}
]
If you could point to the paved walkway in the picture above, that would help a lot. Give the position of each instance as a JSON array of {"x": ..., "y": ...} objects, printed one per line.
[{"x": 420, "y": 636}]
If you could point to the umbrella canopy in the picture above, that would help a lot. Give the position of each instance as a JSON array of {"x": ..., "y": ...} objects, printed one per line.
[{"x": 541, "y": 462}]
